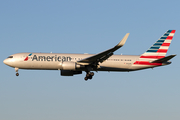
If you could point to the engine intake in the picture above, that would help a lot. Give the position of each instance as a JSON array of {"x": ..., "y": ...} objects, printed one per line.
[{"x": 70, "y": 66}]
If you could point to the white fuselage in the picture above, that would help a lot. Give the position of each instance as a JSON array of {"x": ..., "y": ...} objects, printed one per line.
[{"x": 53, "y": 61}]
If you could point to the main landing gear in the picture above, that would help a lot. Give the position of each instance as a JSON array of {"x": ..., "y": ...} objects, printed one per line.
[
  {"x": 89, "y": 75},
  {"x": 16, "y": 69}
]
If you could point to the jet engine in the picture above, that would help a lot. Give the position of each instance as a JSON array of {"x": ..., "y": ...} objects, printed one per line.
[
  {"x": 73, "y": 66},
  {"x": 70, "y": 68}
]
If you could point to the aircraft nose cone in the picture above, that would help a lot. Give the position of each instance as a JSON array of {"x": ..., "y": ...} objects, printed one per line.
[
  {"x": 9, "y": 62},
  {"x": 5, "y": 61}
]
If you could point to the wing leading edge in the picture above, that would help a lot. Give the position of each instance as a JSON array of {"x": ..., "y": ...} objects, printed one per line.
[{"x": 101, "y": 57}]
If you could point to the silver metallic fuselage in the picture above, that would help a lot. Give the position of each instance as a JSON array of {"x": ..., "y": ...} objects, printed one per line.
[{"x": 53, "y": 61}]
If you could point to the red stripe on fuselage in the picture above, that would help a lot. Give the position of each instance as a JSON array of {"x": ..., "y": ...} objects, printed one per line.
[
  {"x": 155, "y": 57},
  {"x": 147, "y": 63}
]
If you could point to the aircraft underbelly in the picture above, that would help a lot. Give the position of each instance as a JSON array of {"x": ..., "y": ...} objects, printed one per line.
[
  {"x": 39, "y": 65},
  {"x": 115, "y": 66}
]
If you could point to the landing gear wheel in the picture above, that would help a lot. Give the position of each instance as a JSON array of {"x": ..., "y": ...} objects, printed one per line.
[
  {"x": 87, "y": 75},
  {"x": 17, "y": 74},
  {"x": 85, "y": 78},
  {"x": 90, "y": 77},
  {"x": 91, "y": 73}
]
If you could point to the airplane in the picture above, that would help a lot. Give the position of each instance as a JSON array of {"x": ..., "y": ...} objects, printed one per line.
[{"x": 73, "y": 64}]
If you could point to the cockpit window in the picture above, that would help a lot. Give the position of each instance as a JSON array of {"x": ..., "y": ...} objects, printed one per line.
[{"x": 10, "y": 57}]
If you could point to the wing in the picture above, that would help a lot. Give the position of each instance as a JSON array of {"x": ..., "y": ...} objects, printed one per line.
[{"x": 101, "y": 57}]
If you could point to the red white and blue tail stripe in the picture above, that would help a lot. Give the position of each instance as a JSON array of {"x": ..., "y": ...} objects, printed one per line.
[{"x": 159, "y": 49}]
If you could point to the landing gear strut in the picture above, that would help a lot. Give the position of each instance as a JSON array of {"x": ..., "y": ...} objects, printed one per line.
[
  {"x": 16, "y": 69},
  {"x": 89, "y": 75}
]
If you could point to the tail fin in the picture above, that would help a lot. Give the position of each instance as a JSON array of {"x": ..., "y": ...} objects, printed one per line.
[{"x": 159, "y": 49}]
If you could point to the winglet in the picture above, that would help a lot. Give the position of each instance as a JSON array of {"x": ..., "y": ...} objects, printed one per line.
[{"x": 122, "y": 42}]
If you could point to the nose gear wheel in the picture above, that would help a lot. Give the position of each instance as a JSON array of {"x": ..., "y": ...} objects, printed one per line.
[
  {"x": 16, "y": 70},
  {"x": 17, "y": 74}
]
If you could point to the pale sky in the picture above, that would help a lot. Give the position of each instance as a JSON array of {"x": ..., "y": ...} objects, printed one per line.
[{"x": 82, "y": 26}]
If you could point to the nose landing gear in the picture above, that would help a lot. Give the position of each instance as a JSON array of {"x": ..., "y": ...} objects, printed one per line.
[
  {"x": 16, "y": 69},
  {"x": 17, "y": 74},
  {"x": 89, "y": 75}
]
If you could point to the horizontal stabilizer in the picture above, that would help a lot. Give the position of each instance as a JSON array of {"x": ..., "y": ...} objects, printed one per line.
[{"x": 165, "y": 59}]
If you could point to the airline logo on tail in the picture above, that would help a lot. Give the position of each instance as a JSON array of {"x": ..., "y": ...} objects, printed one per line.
[
  {"x": 158, "y": 50},
  {"x": 26, "y": 59}
]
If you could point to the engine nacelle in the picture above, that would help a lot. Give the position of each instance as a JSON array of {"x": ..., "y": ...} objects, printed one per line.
[
  {"x": 69, "y": 72},
  {"x": 70, "y": 66}
]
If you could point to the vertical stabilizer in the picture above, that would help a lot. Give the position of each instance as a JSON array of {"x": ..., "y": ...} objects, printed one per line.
[{"x": 159, "y": 49}]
